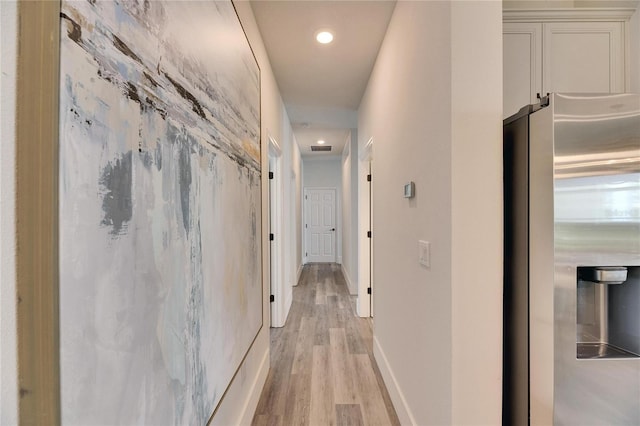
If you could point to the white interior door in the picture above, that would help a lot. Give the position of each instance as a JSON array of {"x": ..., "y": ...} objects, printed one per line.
[{"x": 320, "y": 225}]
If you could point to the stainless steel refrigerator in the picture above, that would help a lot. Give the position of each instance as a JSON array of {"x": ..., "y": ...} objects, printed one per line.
[{"x": 572, "y": 262}]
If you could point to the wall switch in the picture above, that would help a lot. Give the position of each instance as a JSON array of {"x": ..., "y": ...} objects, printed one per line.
[{"x": 424, "y": 253}]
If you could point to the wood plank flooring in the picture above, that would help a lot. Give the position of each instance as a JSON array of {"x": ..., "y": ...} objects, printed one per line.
[{"x": 322, "y": 366}]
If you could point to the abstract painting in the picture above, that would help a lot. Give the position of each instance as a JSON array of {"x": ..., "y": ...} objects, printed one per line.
[{"x": 160, "y": 207}]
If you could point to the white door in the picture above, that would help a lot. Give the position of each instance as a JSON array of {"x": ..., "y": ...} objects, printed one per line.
[{"x": 320, "y": 224}]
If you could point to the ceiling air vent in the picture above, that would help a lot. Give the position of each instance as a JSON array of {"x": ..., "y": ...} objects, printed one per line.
[{"x": 320, "y": 148}]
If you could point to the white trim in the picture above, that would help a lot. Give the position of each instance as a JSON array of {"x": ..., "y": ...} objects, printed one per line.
[
  {"x": 347, "y": 147},
  {"x": 364, "y": 264},
  {"x": 367, "y": 151},
  {"x": 397, "y": 396},
  {"x": 353, "y": 290},
  {"x": 251, "y": 403},
  {"x": 568, "y": 15},
  {"x": 274, "y": 147},
  {"x": 279, "y": 309}
]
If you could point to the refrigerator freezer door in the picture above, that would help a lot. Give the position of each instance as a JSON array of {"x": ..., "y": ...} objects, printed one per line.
[{"x": 596, "y": 208}]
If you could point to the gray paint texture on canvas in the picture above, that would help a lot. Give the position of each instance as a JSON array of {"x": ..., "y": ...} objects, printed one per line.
[
  {"x": 116, "y": 202},
  {"x": 160, "y": 271}
]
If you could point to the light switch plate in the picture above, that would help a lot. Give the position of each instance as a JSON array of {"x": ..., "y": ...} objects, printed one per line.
[{"x": 424, "y": 253}]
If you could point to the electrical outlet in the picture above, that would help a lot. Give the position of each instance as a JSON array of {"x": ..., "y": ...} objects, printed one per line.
[{"x": 424, "y": 253}]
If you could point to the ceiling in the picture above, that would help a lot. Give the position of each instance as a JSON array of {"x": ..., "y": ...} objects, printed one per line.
[{"x": 322, "y": 85}]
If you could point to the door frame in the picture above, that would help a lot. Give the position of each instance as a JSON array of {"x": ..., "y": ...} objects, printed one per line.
[
  {"x": 305, "y": 213},
  {"x": 364, "y": 303},
  {"x": 276, "y": 227}
]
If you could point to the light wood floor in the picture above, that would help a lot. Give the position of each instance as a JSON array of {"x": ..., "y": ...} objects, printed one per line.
[{"x": 322, "y": 367}]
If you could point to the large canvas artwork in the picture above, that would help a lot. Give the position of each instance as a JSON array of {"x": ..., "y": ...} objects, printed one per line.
[{"x": 160, "y": 205}]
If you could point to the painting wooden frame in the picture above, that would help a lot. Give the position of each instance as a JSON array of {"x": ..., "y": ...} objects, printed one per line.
[{"x": 37, "y": 213}]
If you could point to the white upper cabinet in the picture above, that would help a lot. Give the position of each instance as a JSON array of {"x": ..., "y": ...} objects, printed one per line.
[
  {"x": 522, "y": 73},
  {"x": 583, "y": 57},
  {"x": 563, "y": 51}
]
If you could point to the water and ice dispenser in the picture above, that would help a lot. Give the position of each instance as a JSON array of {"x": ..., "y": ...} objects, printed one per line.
[{"x": 608, "y": 312}]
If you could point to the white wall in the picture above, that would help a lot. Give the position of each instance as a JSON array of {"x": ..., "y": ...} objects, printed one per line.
[
  {"x": 326, "y": 172},
  {"x": 350, "y": 211},
  {"x": 434, "y": 60},
  {"x": 8, "y": 330},
  {"x": 406, "y": 110}
]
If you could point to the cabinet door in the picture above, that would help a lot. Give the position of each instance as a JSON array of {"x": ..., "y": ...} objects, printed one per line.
[
  {"x": 584, "y": 57},
  {"x": 522, "y": 65}
]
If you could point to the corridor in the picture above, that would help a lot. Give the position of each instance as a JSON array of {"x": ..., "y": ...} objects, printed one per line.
[{"x": 322, "y": 366}]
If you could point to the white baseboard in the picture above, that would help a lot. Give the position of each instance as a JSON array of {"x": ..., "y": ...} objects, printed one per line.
[
  {"x": 251, "y": 404},
  {"x": 353, "y": 290},
  {"x": 397, "y": 397}
]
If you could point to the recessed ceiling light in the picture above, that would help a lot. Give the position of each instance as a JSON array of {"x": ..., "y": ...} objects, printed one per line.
[
  {"x": 324, "y": 37},
  {"x": 320, "y": 142}
]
